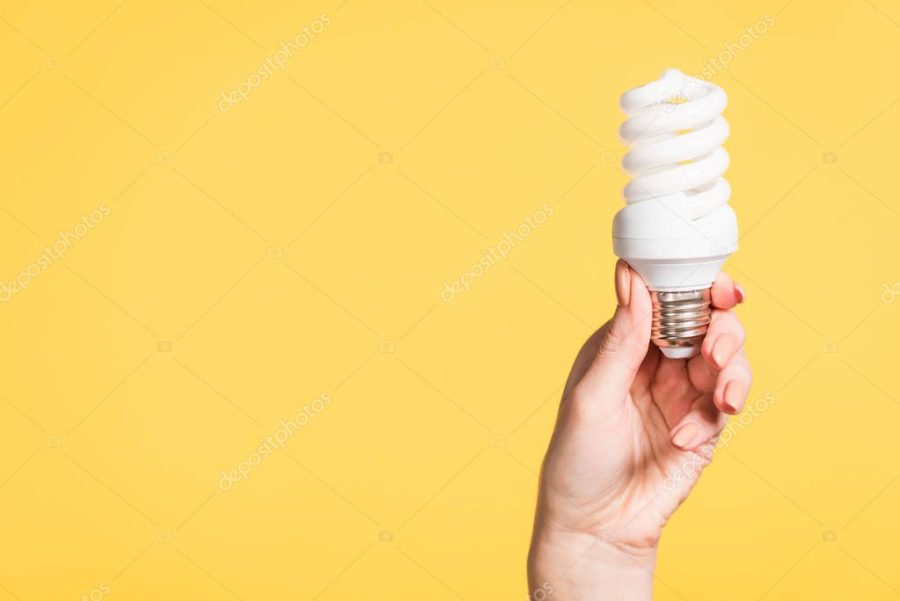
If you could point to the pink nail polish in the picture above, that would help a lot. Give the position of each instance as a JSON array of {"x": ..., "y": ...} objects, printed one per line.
[
  {"x": 733, "y": 397},
  {"x": 685, "y": 435},
  {"x": 722, "y": 350},
  {"x": 739, "y": 291}
]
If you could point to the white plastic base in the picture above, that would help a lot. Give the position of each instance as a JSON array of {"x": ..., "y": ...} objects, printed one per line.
[
  {"x": 680, "y": 352},
  {"x": 677, "y": 275}
]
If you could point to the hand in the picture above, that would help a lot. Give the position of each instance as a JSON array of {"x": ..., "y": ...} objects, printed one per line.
[{"x": 635, "y": 430}]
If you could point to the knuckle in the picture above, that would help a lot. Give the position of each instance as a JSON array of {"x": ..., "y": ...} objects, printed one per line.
[{"x": 611, "y": 340}]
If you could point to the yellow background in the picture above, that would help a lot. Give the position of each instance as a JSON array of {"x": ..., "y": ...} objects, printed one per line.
[{"x": 298, "y": 244}]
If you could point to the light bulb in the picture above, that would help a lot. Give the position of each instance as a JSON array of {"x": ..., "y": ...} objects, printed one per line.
[{"x": 677, "y": 228}]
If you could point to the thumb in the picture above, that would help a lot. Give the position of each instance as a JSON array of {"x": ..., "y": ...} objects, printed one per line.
[{"x": 626, "y": 337}]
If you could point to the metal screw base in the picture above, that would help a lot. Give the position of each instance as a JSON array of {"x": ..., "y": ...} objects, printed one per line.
[{"x": 680, "y": 320}]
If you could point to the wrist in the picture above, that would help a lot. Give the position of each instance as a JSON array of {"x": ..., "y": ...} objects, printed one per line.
[{"x": 570, "y": 566}]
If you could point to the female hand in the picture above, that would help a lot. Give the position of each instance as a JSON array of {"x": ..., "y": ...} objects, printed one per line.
[{"x": 635, "y": 430}]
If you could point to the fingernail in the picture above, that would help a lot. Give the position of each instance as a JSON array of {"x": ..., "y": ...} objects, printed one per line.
[
  {"x": 685, "y": 435},
  {"x": 739, "y": 292},
  {"x": 733, "y": 398},
  {"x": 623, "y": 283},
  {"x": 722, "y": 350}
]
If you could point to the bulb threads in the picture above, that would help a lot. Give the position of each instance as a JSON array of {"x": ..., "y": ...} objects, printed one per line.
[{"x": 680, "y": 321}]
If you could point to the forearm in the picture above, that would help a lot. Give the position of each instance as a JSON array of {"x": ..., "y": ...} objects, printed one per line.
[{"x": 576, "y": 567}]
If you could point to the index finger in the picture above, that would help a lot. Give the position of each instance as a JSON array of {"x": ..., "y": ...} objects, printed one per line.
[{"x": 725, "y": 292}]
